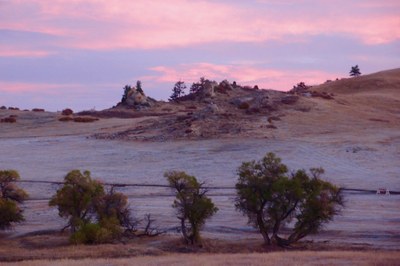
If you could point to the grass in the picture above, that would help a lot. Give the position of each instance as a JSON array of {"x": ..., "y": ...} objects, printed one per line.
[{"x": 273, "y": 258}]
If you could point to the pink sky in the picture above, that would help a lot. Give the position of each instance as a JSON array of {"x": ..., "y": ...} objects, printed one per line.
[{"x": 52, "y": 49}]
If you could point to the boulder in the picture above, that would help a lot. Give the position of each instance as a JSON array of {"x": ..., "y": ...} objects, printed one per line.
[
  {"x": 209, "y": 88},
  {"x": 138, "y": 99}
]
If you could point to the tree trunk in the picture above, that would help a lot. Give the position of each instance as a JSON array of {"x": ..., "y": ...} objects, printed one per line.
[
  {"x": 263, "y": 231},
  {"x": 183, "y": 229}
]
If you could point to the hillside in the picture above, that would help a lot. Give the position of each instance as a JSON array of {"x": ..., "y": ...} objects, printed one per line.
[
  {"x": 366, "y": 106},
  {"x": 355, "y": 106}
]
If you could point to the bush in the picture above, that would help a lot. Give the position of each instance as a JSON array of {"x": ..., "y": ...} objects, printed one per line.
[
  {"x": 192, "y": 205},
  {"x": 244, "y": 105},
  {"x": 66, "y": 119},
  {"x": 271, "y": 198},
  {"x": 10, "y": 197},
  {"x": 91, "y": 233},
  {"x": 85, "y": 119},
  {"x": 9, "y": 119},
  {"x": 37, "y": 110},
  {"x": 67, "y": 111}
]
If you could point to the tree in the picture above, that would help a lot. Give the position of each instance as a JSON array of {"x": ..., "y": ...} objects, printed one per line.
[
  {"x": 126, "y": 89},
  {"x": 271, "y": 198},
  {"x": 355, "y": 71},
  {"x": 191, "y": 203},
  {"x": 197, "y": 86},
  {"x": 94, "y": 215},
  {"x": 76, "y": 199},
  {"x": 10, "y": 197},
  {"x": 178, "y": 90},
  {"x": 139, "y": 87}
]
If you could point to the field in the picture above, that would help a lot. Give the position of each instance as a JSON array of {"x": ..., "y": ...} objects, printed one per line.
[{"x": 354, "y": 137}]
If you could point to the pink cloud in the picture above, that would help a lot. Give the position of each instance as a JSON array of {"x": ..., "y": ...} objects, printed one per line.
[
  {"x": 114, "y": 24},
  {"x": 6, "y": 51},
  {"x": 22, "y": 87},
  {"x": 265, "y": 78}
]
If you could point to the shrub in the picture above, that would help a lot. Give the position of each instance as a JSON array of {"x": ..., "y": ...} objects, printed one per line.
[
  {"x": 91, "y": 233},
  {"x": 10, "y": 197},
  {"x": 37, "y": 110},
  {"x": 3, "y": 108},
  {"x": 85, "y": 119},
  {"x": 66, "y": 119},
  {"x": 271, "y": 198},
  {"x": 67, "y": 111},
  {"x": 191, "y": 203},
  {"x": 9, "y": 119},
  {"x": 244, "y": 105}
]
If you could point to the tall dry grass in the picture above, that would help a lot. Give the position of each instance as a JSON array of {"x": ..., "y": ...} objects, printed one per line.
[{"x": 273, "y": 258}]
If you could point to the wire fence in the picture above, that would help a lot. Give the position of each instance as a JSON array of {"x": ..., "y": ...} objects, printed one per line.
[{"x": 210, "y": 188}]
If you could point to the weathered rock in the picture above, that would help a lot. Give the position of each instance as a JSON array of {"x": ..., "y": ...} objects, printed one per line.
[
  {"x": 137, "y": 99},
  {"x": 209, "y": 88}
]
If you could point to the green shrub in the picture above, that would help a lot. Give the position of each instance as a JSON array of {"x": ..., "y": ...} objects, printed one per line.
[{"x": 91, "y": 233}]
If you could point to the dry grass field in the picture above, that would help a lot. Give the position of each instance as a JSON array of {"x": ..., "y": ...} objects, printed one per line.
[{"x": 274, "y": 258}]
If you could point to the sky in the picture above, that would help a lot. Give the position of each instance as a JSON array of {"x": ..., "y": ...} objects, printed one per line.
[{"x": 80, "y": 54}]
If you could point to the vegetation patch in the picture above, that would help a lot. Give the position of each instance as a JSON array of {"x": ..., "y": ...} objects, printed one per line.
[
  {"x": 66, "y": 119},
  {"x": 10, "y": 119},
  {"x": 85, "y": 119},
  {"x": 67, "y": 111}
]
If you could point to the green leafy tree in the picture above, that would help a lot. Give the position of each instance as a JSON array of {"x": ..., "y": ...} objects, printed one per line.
[
  {"x": 94, "y": 215},
  {"x": 271, "y": 198},
  {"x": 191, "y": 203},
  {"x": 178, "y": 91},
  {"x": 10, "y": 197},
  {"x": 139, "y": 87},
  {"x": 76, "y": 199},
  {"x": 355, "y": 71}
]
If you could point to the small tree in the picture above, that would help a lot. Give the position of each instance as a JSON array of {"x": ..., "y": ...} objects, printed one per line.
[
  {"x": 94, "y": 216},
  {"x": 355, "y": 71},
  {"x": 139, "y": 87},
  {"x": 197, "y": 86},
  {"x": 192, "y": 205},
  {"x": 10, "y": 197},
  {"x": 271, "y": 198},
  {"x": 76, "y": 199},
  {"x": 178, "y": 91},
  {"x": 126, "y": 89}
]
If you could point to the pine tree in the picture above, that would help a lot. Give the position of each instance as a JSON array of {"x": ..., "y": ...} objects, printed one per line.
[
  {"x": 355, "y": 71},
  {"x": 139, "y": 87},
  {"x": 178, "y": 91}
]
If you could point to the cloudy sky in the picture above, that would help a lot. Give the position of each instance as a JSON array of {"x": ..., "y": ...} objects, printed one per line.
[{"x": 80, "y": 53}]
